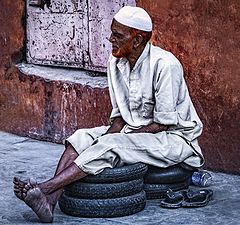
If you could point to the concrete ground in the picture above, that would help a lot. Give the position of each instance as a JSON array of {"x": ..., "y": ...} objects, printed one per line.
[{"x": 21, "y": 156}]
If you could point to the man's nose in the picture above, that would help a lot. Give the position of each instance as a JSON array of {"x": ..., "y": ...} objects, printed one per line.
[{"x": 111, "y": 38}]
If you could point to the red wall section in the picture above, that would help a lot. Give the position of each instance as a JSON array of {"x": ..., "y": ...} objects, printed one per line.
[
  {"x": 205, "y": 36},
  {"x": 36, "y": 107},
  {"x": 11, "y": 33}
]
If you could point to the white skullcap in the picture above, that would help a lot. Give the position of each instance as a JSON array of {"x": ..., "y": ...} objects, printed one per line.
[{"x": 134, "y": 17}]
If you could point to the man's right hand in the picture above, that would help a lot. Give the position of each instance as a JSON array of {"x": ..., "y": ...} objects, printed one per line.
[{"x": 117, "y": 125}]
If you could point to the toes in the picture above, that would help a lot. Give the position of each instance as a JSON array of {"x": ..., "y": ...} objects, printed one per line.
[
  {"x": 18, "y": 182},
  {"x": 15, "y": 179},
  {"x": 21, "y": 188},
  {"x": 28, "y": 185},
  {"x": 18, "y": 193},
  {"x": 21, "y": 185},
  {"x": 32, "y": 183},
  {"x": 25, "y": 190},
  {"x": 16, "y": 188}
]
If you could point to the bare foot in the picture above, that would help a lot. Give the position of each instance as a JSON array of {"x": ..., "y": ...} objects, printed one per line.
[
  {"x": 18, "y": 187},
  {"x": 32, "y": 195}
]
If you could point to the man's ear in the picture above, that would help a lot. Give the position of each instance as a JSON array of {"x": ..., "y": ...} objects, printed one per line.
[{"x": 138, "y": 40}]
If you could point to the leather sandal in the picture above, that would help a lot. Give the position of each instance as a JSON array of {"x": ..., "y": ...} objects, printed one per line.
[
  {"x": 187, "y": 198},
  {"x": 197, "y": 198},
  {"x": 174, "y": 199}
]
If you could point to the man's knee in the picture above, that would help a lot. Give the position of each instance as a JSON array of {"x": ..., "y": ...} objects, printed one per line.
[
  {"x": 70, "y": 150},
  {"x": 112, "y": 138}
]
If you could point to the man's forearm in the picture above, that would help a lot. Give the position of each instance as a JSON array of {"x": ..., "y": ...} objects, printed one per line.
[
  {"x": 151, "y": 128},
  {"x": 117, "y": 125}
]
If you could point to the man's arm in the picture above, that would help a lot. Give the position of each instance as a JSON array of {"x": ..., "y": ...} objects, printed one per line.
[
  {"x": 117, "y": 125},
  {"x": 151, "y": 128}
]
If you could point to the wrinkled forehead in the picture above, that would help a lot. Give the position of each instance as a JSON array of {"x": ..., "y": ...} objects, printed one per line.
[{"x": 118, "y": 27}]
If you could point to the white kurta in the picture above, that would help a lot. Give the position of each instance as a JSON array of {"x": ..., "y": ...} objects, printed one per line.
[{"x": 154, "y": 91}]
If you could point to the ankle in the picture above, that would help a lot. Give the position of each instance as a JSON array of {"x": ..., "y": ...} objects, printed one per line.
[{"x": 44, "y": 188}]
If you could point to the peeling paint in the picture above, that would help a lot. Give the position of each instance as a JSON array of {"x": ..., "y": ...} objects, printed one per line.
[{"x": 71, "y": 33}]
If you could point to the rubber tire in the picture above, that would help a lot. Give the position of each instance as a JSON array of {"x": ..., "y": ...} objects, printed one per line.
[
  {"x": 158, "y": 191},
  {"x": 102, "y": 191},
  {"x": 170, "y": 175},
  {"x": 103, "y": 208},
  {"x": 118, "y": 174}
]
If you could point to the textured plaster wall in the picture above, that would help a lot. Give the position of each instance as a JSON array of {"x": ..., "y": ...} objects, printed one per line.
[
  {"x": 11, "y": 34},
  {"x": 205, "y": 36},
  {"x": 11, "y": 50},
  {"x": 43, "y": 107}
]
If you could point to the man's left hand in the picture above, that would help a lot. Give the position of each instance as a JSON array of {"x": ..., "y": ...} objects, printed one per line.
[{"x": 151, "y": 128}]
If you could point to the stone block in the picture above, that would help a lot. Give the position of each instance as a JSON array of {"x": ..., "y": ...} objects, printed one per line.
[{"x": 51, "y": 103}]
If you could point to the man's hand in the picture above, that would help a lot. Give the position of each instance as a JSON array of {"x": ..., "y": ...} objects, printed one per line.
[
  {"x": 151, "y": 128},
  {"x": 117, "y": 125}
]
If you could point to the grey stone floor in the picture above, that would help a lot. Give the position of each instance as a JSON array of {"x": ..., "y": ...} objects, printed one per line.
[{"x": 30, "y": 158}]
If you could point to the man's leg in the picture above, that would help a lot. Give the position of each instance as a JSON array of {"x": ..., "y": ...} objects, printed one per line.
[
  {"x": 43, "y": 197},
  {"x": 66, "y": 160}
]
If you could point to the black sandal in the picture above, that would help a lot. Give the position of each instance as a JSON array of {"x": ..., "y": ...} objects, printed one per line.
[
  {"x": 197, "y": 198},
  {"x": 187, "y": 198},
  {"x": 174, "y": 199}
]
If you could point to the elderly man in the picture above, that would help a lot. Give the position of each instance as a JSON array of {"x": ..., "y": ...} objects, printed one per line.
[{"x": 153, "y": 119}]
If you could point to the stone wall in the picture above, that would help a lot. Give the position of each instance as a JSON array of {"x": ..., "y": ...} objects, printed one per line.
[
  {"x": 204, "y": 35},
  {"x": 39, "y": 103}
]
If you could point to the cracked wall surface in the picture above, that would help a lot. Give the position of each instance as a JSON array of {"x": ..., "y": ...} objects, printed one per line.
[{"x": 71, "y": 33}]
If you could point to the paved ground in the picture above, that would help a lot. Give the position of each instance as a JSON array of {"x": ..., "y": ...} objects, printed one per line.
[{"x": 30, "y": 158}]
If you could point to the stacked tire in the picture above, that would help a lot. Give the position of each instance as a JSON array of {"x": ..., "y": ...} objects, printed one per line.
[
  {"x": 112, "y": 193},
  {"x": 158, "y": 181}
]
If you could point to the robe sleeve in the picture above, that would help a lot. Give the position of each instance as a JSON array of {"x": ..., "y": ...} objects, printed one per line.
[
  {"x": 167, "y": 85},
  {"x": 115, "y": 110}
]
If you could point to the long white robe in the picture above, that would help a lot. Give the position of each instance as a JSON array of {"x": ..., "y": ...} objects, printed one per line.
[{"x": 154, "y": 91}]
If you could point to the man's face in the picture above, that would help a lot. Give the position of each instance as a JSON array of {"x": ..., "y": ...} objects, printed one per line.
[{"x": 121, "y": 39}]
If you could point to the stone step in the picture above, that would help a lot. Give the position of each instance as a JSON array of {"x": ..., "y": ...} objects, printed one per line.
[{"x": 49, "y": 103}]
